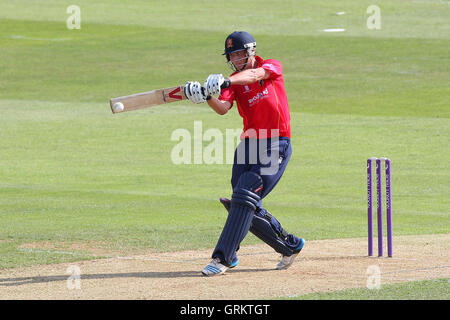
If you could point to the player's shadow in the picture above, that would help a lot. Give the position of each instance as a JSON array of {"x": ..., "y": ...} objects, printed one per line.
[
  {"x": 44, "y": 279},
  {"x": 11, "y": 282}
]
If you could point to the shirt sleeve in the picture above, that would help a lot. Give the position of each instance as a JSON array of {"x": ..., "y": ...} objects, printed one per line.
[
  {"x": 274, "y": 68},
  {"x": 227, "y": 95}
]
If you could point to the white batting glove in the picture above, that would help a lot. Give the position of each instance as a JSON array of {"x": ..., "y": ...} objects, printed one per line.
[
  {"x": 213, "y": 84},
  {"x": 194, "y": 92}
]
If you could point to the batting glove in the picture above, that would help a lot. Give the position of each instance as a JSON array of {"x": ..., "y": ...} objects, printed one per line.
[
  {"x": 214, "y": 83},
  {"x": 194, "y": 92}
]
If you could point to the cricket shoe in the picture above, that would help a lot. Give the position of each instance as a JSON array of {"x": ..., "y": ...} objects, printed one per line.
[
  {"x": 215, "y": 268},
  {"x": 286, "y": 261}
]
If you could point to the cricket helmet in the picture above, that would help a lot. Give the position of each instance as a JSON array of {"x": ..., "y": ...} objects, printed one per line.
[{"x": 239, "y": 40}]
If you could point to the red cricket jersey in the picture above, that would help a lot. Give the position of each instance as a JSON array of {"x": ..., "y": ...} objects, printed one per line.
[{"x": 263, "y": 105}]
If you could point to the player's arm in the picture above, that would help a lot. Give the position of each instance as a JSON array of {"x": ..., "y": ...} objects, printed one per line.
[
  {"x": 215, "y": 82},
  {"x": 219, "y": 106},
  {"x": 249, "y": 76}
]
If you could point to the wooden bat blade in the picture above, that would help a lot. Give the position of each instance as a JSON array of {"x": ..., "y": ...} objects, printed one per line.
[{"x": 149, "y": 99}]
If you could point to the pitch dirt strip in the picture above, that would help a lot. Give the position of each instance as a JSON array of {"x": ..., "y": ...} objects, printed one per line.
[{"x": 323, "y": 266}]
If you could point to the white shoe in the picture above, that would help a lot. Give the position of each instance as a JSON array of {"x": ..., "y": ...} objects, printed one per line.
[
  {"x": 286, "y": 261},
  {"x": 215, "y": 268}
]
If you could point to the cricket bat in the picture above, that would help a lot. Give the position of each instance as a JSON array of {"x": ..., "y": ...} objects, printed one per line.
[{"x": 147, "y": 99}]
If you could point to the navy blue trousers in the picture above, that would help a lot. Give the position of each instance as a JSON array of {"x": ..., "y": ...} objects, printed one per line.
[{"x": 267, "y": 158}]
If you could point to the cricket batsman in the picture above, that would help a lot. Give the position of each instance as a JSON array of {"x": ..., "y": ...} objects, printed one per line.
[{"x": 257, "y": 87}]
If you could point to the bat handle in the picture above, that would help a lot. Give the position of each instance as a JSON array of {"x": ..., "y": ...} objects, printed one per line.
[{"x": 226, "y": 83}]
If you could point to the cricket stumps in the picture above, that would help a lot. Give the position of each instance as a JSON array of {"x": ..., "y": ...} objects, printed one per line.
[{"x": 387, "y": 163}]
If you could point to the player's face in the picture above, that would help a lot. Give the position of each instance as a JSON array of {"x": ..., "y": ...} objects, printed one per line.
[{"x": 239, "y": 58}]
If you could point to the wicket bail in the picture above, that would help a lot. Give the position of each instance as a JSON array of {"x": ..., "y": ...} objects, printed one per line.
[{"x": 387, "y": 163}]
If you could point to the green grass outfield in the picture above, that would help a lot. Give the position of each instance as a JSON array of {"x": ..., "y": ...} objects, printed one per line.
[
  {"x": 414, "y": 290},
  {"x": 71, "y": 171}
]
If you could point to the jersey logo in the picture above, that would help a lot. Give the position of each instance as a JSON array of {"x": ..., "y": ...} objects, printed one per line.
[{"x": 258, "y": 96}]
